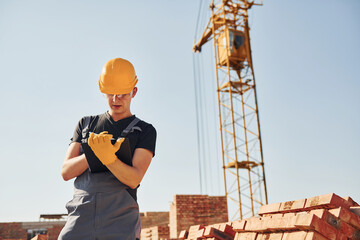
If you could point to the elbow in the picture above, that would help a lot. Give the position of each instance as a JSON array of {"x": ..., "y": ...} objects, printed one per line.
[
  {"x": 65, "y": 175},
  {"x": 134, "y": 184},
  {"x": 65, "y": 178}
]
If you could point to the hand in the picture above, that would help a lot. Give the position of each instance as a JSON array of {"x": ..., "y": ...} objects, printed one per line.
[{"x": 103, "y": 148}]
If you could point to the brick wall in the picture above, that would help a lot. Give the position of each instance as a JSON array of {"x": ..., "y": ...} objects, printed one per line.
[
  {"x": 151, "y": 219},
  {"x": 12, "y": 230},
  {"x": 54, "y": 232},
  {"x": 188, "y": 210},
  {"x": 19, "y": 230}
]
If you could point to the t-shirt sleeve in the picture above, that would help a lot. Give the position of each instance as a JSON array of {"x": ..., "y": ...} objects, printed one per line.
[
  {"x": 77, "y": 136},
  {"x": 147, "y": 139}
]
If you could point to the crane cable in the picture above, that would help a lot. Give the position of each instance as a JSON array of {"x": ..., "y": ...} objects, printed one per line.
[
  {"x": 196, "y": 76},
  {"x": 203, "y": 138}
]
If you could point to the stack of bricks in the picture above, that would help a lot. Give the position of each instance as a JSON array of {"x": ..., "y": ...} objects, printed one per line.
[
  {"x": 317, "y": 218},
  {"x": 222, "y": 231},
  {"x": 40, "y": 237},
  {"x": 188, "y": 210},
  {"x": 157, "y": 232}
]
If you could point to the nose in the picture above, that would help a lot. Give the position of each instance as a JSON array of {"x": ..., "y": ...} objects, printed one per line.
[{"x": 114, "y": 98}]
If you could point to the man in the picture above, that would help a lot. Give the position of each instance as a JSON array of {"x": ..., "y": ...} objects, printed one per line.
[{"x": 104, "y": 205}]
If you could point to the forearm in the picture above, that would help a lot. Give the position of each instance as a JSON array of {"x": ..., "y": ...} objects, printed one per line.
[
  {"x": 132, "y": 175},
  {"x": 126, "y": 174},
  {"x": 73, "y": 167},
  {"x": 105, "y": 151}
]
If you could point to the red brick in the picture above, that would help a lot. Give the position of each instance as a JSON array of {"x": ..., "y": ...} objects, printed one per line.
[
  {"x": 239, "y": 225},
  {"x": 297, "y": 235},
  {"x": 347, "y": 216},
  {"x": 255, "y": 224},
  {"x": 329, "y": 201},
  {"x": 196, "y": 228},
  {"x": 325, "y": 215},
  {"x": 337, "y": 223},
  {"x": 274, "y": 215},
  {"x": 194, "y": 231},
  {"x": 220, "y": 235},
  {"x": 285, "y": 223},
  {"x": 269, "y": 236},
  {"x": 245, "y": 236},
  {"x": 198, "y": 235},
  {"x": 40, "y": 237},
  {"x": 349, "y": 230},
  {"x": 290, "y": 214},
  {"x": 270, "y": 208},
  {"x": 312, "y": 222},
  {"x": 291, "y": 206},
  {"x": 226, "y": 228},
  {"x": 145, "y": 233},
  {"x": 183, "y": 234},
  {"x": 353, "y": 203},
  {"x": 303, "y": 235},
  {"x": 315, "y": 236},
  {"x": 355, "y": 210},
  {"x": 216, "y": 225}
]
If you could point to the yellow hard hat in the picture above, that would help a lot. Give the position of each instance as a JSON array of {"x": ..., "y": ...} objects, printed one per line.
[{"x": 117, "y": 77}]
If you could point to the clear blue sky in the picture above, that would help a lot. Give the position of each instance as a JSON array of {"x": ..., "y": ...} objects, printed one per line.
[{"x": 306, "y": 57}]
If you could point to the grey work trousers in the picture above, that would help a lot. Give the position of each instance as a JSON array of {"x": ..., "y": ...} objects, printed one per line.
[{"x": 101, "y": 209}]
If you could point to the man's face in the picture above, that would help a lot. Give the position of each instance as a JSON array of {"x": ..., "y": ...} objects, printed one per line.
[{"x": 120, "y": 104}]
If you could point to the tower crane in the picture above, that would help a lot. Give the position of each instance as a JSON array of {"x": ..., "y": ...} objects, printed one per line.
[{"x": 242, "y": 155}]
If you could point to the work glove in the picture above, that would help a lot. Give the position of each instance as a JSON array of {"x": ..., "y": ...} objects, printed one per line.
[{"x": 103, "y": 148}]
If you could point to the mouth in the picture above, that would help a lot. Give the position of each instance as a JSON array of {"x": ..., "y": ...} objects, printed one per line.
[{"x": 116, "y": 106}]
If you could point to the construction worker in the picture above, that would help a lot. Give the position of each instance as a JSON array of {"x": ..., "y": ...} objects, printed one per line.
[{"x": 104, "y": 206}]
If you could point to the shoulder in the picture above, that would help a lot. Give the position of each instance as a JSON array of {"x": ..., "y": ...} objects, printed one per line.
[
  {"x": 146, "y": 136},
  {"x": 146, "y": 127},
  {"x": 89, "y": 120}
]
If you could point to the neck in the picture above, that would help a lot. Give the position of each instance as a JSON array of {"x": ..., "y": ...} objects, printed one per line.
[{"x": 118, "y": 116}]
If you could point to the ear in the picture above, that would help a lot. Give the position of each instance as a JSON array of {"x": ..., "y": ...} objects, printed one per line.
[{"x": 134, "y": 91}]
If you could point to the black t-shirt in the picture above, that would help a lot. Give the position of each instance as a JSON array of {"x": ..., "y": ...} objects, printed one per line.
[{"x": 142, "y": 135}]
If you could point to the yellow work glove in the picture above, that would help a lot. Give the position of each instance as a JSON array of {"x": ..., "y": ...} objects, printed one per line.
[{"x": 103, "y": 148}]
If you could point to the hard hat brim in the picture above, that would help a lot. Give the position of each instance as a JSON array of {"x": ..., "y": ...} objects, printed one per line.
[{"x": 112, "y": 90}]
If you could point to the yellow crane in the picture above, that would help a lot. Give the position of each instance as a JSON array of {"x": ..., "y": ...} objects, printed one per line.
[{"x": 242, "y": 156}]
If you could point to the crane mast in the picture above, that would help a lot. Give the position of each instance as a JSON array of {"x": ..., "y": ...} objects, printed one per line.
[{"x": 242, "y": 156}]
